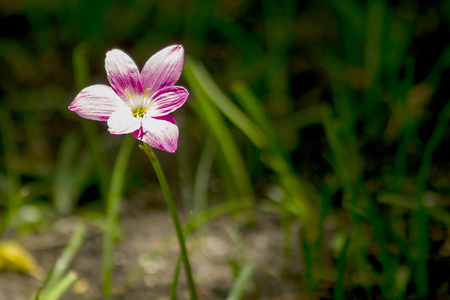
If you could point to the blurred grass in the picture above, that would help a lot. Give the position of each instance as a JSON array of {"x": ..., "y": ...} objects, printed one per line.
[
  {"x": 234, "y": 162},
  {"x": 73, "y": 169},
  {"x": 327, "y": 112},
  {"x": 60, "y": 278},
  {"x": 115, "y": 194},
  {"x": 10, "y": 196}
]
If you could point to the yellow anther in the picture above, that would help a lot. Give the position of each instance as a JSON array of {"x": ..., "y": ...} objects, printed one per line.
[
  {"x": 144, "y": 94},
  {"x": 145, "y": 110},
  {"x": 140, "y": 112},
  {"x": 128, "y": 94}
]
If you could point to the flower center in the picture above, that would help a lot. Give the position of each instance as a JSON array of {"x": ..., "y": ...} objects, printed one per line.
[
  {"x": 137, "y": 108},
  {"x": 140, "y": 112}
]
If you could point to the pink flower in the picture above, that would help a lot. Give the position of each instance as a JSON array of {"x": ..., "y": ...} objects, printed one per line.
[{"x": 138, "y": 102}]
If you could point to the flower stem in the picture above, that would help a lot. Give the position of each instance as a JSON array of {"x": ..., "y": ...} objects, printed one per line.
[{"x": 173, "y": 213}]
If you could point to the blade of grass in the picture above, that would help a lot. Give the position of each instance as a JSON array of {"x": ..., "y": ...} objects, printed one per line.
[
  {"x": 225, "y": 140},
  {"x": 173, "y": 286},
  {"x": 67, "y": 256},
  {"x": 112, "y": 214},
  {"x": 58, "y": 280},
  {"x": 239, "y": 285},
  {"x": 275, "y": 157},
  {"x": 197, "y": 75},
  {"x": 308, "y": 263},
  {"x": 420, "y": 218},
  {"x": 375, "y": 35},
  {"x": 14, "y": 199},
  {"x": 60, "y": 287},
  {"x": 352, "y": 14},
  {"x": 441, "y": 65},
  {"x": 347, "y": 173},
  {"x": 279, "y": 24},
  {"x": 360, "y": 202},
  {"x": 272, "y": 155},
  {"x": 409, "y": 130},
  {"x": 404, "y": 201},
  {"x": 202, "y": 175},
  {"x": 81, "y": 76},
  {"x": 338, "y": 292},
  {"x": 253, "y": 108},
  {"x": 398, "y": 36},
  {"x": 232, "y": 156},
  {"x": 73, "y": 167},
  {"x": 214, "y": 212},
  {"x": 402, "y": 279},
  {"x": 375, "y": 19}
]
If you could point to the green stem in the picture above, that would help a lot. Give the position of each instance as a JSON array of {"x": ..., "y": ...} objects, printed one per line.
[
  {"x": 173, "y": 213},
  {"x": 114, "y": 195},
  {"x": 421, "y": 218},
  {"x": 173, "y": 287}
]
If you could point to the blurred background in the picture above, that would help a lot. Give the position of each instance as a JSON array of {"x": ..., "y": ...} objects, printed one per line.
[{"x": 326, "y": 120}]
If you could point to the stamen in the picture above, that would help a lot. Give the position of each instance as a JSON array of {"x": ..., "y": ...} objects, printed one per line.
[
  {"x": 144, "y": 94},
  {"x": 129, "y": 94},
  {"x": 145, "y": 110},
  {"x": 140, "y": 112}
]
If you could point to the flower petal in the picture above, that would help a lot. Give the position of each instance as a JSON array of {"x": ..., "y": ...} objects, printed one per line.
[
  {"x": 122, "y": 121},
  {"x": 163, "y": 69},
  {"x": 160, "y": 133},
  {"x": 123, "y": 74},
  {"x": 96, "y": 102},
  {"x": 167, "y": 100}
]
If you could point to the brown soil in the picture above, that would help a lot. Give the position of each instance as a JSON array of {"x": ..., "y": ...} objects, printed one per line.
[{"x": 146, "y": 256}]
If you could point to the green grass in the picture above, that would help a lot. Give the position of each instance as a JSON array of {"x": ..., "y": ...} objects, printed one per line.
[{"x": 61, "y": 278}]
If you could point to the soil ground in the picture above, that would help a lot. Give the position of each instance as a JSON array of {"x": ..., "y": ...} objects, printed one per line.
[{"x": 146, "y": 256}]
